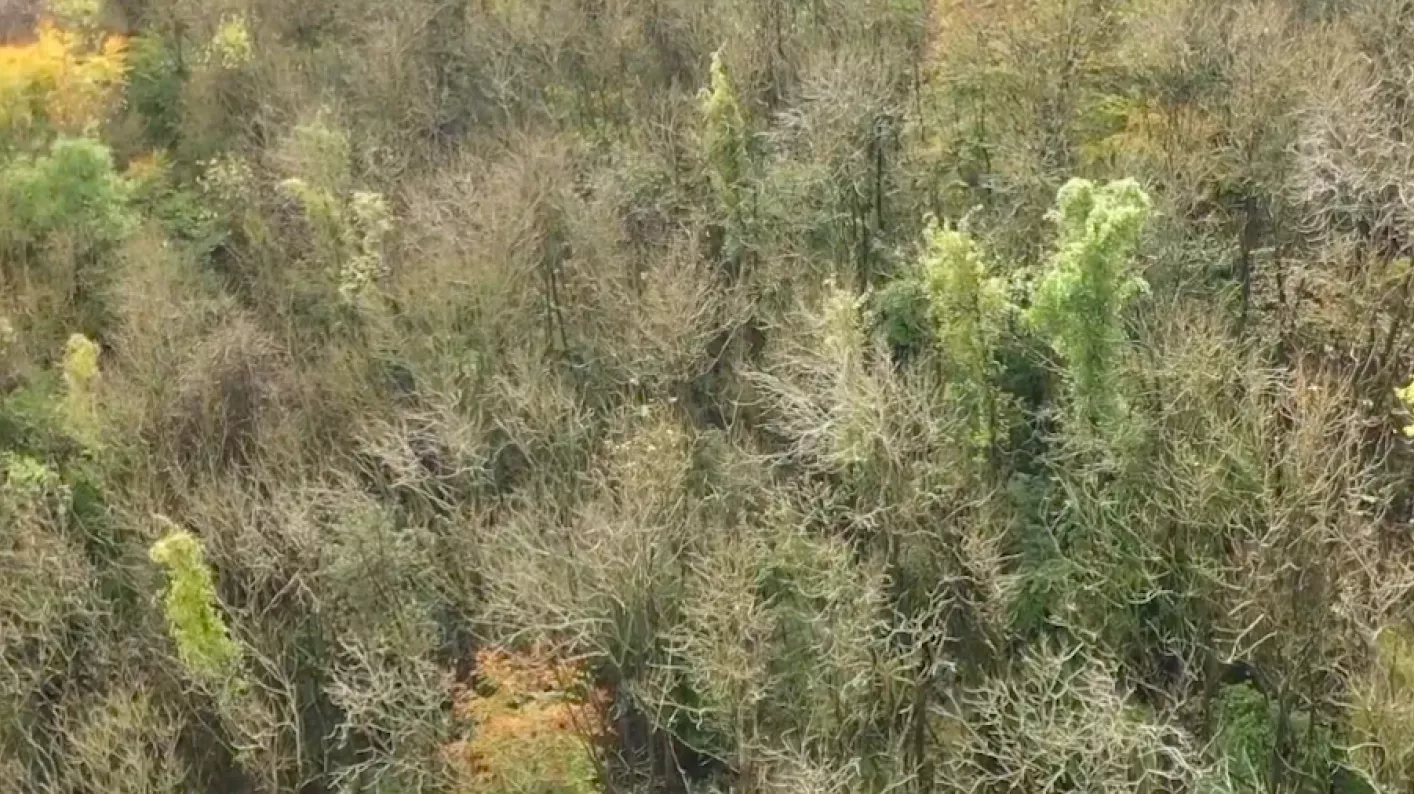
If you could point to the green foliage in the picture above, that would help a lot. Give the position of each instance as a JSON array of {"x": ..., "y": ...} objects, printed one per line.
[
  {"x": 727, "y": 141},
  {"x": 1256, "y": 740},
  {"x": 28, "y": 477},
  {"x": 349, "y": 227},
  {"x": 154, "y": 91},
  {"x": 80, "y": 365},
  {"x": 369, "y": 222},
  {"x": 230, "y": 46},
  {"x": 349, "y": 234},
  {"x": 76, "y": 13},
  {"x": 325, "y": 213},
  {"x": 903, "y": 316},
  {"x": 1246, "y": 737},
  {"x": 318, "y": 154},
  {"x": 193, "y": 613},
  {"x": 1080, "y": 301},
  {"x": 73, "y": 189},
  {"x": 969, "y": 307},
  {"x": 725, "y": 136}
]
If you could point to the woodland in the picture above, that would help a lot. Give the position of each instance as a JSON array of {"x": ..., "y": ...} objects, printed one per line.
[{"x": 706, "y": 396}]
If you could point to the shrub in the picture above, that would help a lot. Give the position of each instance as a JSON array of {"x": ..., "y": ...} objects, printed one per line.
[
  {"x": 9, "y": 351},
  {"x": 72, "y": 190},
  {"x": 725, "y": 135},
  {"x": 902, "y": 315},
  {"x": 318, "y": 154},
  {"x": 369, "y": 222},
  {"x": 1406, "y": 398},
  {"x": 193, "y": 614},
  {"x": 81, "y": 373},
  {"x": 126, "y": 742},
  {"x": 537, "y": 352},
  {"x": 532, "y": 726},
  {"x": 230, "y": 46},
  {"x": 1246, "y": 737},
  {"x": 775, "y": 642},
  {"x": 349, "y": 226},
  {"x": 225, "y": 396},
  {"x": 394, "y": 717},
  {"x": 79, "y": 14},
  {"x": 46, "y": 604}
]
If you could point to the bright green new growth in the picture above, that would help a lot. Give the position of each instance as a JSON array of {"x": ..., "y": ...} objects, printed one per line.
[
  {"x": 1080, "y": 301},
  {"x": 193, "y": 619},
  {"x": 968, "y": 308},
  {"x": 725, "y": 135}
]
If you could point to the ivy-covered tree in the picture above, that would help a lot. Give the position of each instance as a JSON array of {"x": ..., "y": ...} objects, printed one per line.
[
  {"x": 726, "y": 138},
  {"x": 1080, "y": 302},
  {"x": 969, "y": 307},
  {"x": 194, "y": 618}
]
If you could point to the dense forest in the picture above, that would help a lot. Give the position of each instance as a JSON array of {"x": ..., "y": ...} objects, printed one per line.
[{"x": 689, "y": 396}]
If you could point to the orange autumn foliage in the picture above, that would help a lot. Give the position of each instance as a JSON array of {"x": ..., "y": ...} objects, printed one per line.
[
  {"x": 532, "y": 728},
  {"x": 57, "y": 82}
]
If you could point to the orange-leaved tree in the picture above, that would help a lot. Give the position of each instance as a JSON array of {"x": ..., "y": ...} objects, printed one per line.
[{"x": 58, "y": 84}]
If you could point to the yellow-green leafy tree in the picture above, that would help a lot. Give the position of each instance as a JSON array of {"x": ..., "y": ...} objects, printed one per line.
[{"x": 1080, "y": 302}]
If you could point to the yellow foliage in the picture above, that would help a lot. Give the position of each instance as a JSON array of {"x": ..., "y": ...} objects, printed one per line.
[
  {"x": 1148, "y": 132},
  {"x": 530, "y": 729},
  {"x": 146, "y": 167},
  {"x": 146, "y": 172},
  {"x": 1406, "y": 396},
  {"x": 80, "y": 362},
  {"x": 55, "y": 81},
  {"x": 231, "y": 46},
  {"x": 81, "y": 373}
]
